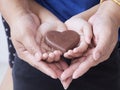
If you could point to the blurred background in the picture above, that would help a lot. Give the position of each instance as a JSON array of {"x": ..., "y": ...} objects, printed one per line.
[{"x": 3, "y": 52}]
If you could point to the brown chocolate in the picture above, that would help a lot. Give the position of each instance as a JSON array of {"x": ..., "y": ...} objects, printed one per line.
[{"x": 62, "y": 41}]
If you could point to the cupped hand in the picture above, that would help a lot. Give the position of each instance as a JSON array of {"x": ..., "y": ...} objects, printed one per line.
[
  {"x": 105, "y": 31},
  {"x": 84, "y": 29},
  {"x": 25, "y": 32}
]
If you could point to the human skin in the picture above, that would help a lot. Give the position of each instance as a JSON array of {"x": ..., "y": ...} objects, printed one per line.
[
  {"x": 27, "y": 22},
  {"x": 105, "y": 23},
  {"x": 33, "y": 20},
  {"x": 93, "y": 52},
  {"x": 79, "y": 23}
]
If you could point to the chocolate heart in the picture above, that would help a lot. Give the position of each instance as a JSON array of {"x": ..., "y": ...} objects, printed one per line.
[{"x": 62, "y": 41}]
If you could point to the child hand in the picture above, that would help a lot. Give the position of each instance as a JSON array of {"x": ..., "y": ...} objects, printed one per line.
[
  {"x": 82, "y": 27},
  {"x": 48, "y": 54},
  {"x": 48, "y": 22}
]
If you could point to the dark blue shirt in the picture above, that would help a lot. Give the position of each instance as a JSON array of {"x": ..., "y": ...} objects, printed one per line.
[{"x": 64, "y": 9}]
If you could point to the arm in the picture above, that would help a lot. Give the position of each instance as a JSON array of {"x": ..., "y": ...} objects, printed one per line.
[
  {"x": 7, "y": 83},
  {"x": 112, "y": 7},
  {"x": 79, "y": 23},
  {"x": 105, "y": 23},
  {"x": 12, "y": 9},
  {"x": 28, "y": 21},
  {"x": 88, "y": 13}
]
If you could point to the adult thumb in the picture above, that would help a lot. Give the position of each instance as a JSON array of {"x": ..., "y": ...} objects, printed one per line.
[
  {"x": 32, "y": 47},
  {"x": 101, "y": 48}
]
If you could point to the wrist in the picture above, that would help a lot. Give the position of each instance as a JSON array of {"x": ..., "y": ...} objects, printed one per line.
[
  {"x": 115, "y": 11},
  {"x": 88, "y": 13},
  {"x": 115, "y": 1},
  {"x": 11, "y": 10},
  {"x": 111, "y": 9}
]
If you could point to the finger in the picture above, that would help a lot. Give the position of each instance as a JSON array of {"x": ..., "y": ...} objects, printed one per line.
[
  {"x": 31, "y": 46},
  {"x": 84, "y": 66},
  {"x": 21, "y": 51},
  {"x": 73, "y": 53},
  {"x": 102, "y": 47},
  {"x": 45, "y": 56},
  {"x": 68, "y": 54},
  {"x": 57, "y": 54},
  {"x": 69, "y": 71},
  {"x": 63, "y": 64},
  {"x": 57, "y": 69},
  {"x": 51, "y": 57},
  {"x": 87, "y": 30},
  {"x": 42, "y": 66},
  {"x": 61, "y": 26},
  {"x": 46, "y": 27},
  {"x": 74, "y": 24},
  {"x": 77, "y": 52},
  {"x": 82, "y": 46},
  {"x": 66, "y": 83},
  {"x": 29, "y": 58},
  {"x": 59, "y": 66}
]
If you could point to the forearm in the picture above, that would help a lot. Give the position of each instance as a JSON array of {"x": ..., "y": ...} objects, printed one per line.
[
  {"x": 88, "y": 13},
  {"x": 111, "y": 9},
  {"x": 10, "y": 9}
]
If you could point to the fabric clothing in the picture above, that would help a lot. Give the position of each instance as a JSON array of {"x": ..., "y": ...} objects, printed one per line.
[
  {"x": 105, "y": 76},
  {"x": 10, "y": 45},
  {"x": 64, "y": 9}
]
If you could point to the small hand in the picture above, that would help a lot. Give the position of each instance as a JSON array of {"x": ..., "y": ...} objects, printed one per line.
[
  {"x": 58, "y": 65},
  {"x": 84, "y": 29},
  {"x": 49, "y": 54}
]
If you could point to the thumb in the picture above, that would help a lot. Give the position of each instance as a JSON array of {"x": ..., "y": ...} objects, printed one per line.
[
  {"x": 66, "y": 83},
  {"x": 87, "y": 30},
  {"x": 61, "y": 26},
  {"x": 101, "y": 48},
  {"x": 32, "y": 47}
]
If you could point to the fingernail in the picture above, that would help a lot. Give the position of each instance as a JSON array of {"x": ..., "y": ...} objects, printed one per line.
[
  {"x": 63, "y": 77},
  {"x": 74, "y": 76},
  {"x": 65, "y": 86},
  {"x": 54, "y": 76}
]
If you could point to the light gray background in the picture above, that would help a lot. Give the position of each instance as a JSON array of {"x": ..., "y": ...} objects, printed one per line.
[{"x": 3, "y": 51}]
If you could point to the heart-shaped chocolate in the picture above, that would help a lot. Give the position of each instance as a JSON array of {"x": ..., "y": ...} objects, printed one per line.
[{"x": 62, "y": 41}]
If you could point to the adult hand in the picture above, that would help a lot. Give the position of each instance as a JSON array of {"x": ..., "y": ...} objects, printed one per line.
[
  {"x": 26, "y": 35},
  {"x": 105, "y": 30},
  {"x": 83, "y": 28}
]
